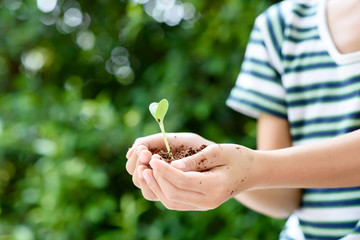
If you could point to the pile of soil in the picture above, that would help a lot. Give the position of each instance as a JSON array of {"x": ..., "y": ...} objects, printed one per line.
[{"x": 177, "y": 154}]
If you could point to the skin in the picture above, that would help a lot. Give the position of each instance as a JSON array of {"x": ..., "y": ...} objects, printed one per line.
[
  {"x": 240, "y": 169},
  {"x": 343, "y": 20},
  {"x": 259, "y": 179},
  {"x": 272, "y": 133},
  {"x": 139, "y": 158},
  {"x": 277, "y": 203}
]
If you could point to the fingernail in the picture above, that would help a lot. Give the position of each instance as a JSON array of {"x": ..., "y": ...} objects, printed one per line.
[
  {"x": 146, "y": 177},
  {"x": 129, "y": 153},
  {"x": 179, "y": 165}
]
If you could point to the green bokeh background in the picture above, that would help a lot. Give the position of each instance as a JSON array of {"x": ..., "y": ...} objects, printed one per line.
[{"x": 74, "y": 97}]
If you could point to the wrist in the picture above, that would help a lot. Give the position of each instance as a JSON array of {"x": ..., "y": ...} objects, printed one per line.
[
  {"x": 275, "y": 169},
  {"x": 251, "y": 167},
  {"x": 267, "y": 170},
  {"x": 261, "y": 169}
]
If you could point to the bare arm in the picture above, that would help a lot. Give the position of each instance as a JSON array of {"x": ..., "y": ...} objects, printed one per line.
[
  {"x": 272, "y": 133},
  {"x": 221, "y": 171},
  {"x": 326, "y": 164}
]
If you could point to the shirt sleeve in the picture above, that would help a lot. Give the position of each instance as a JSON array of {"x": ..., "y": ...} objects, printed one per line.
[{"x": 259, "y": 88}]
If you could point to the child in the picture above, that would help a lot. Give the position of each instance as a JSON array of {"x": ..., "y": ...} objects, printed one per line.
[{"x": 301, "y": 79}]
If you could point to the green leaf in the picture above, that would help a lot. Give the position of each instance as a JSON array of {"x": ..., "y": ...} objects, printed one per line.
[
  {"x": 153, "y": 106},
  {"x": 159, "y": 110}
]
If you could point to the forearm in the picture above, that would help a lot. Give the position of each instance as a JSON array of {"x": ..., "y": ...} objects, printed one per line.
[
  {"x": 273, "y": 133},
  {"x": 327, "y": 164},
  {"x": 277, "y": 203}
]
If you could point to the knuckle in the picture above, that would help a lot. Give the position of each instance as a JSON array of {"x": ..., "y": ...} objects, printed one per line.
[
  {"x": 142, "y": 154},
  {"x": 139, "y": 149},
  {"x": 138, "y": 141}
]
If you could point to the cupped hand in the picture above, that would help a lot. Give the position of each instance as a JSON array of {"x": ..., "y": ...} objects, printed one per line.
[
  {"x": 203, "y": 181},
  {"x": 139, "y": 155}
]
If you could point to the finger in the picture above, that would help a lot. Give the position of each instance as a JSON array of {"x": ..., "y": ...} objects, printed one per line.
[
  {"x": 144, "y": 141},
  {"x": 140, "y": 148},
  {"x": 154, "y": 186},
  {"x": 155, "y": 140},
  {"x": 144, "y": 157},
  {"x": 138, "y": 142},
  {"x": 129, "y": 152},
  {"x": 145, "y": 190},
  {"x": 203, "y": 160},
  {"x": 133, "y": 160},
  {"x": 135, "y": 178},
  {"x": 190, "y": 181},
  {"x": 178, "y": 195},
  {"x": 212, "y": 187}
]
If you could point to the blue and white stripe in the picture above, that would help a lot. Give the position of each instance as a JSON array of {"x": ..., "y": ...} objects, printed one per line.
[{"x": 292, "y": 70}]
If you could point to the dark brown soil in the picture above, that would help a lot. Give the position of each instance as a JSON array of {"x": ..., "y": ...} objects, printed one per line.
[{"x": 177, "y": 154}]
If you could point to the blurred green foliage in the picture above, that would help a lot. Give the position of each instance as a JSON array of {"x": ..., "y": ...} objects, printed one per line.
[{"x": 75, "y": 83}]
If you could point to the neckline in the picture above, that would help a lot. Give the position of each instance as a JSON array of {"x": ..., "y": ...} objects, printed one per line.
[{"x": 339, "y": 58}]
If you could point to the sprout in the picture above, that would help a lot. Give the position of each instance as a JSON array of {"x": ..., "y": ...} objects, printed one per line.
[{"x": 158, "y": 110}]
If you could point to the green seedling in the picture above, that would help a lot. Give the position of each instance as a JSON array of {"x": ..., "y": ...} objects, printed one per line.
[{"x": 158, "y": 110}]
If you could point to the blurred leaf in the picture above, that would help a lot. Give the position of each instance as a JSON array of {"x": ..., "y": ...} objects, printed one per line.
[{"x": 75, "y": 84}]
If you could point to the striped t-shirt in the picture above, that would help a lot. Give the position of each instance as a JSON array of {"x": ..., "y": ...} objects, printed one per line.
[{"x": 293, "y": 70}]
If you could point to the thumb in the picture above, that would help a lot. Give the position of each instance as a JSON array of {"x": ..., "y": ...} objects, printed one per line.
[{"x": 199, "y": 162}]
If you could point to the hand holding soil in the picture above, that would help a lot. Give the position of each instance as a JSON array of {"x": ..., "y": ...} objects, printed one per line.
[
  {"x": 202, "y": 181},
  {"x": 178, "y": 154},
  {"x": 139, "y": 155},
  {"x": 199, "y": 182}
]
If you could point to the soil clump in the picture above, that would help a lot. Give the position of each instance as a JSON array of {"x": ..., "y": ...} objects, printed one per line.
[{"x": 178, "y": 153}]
